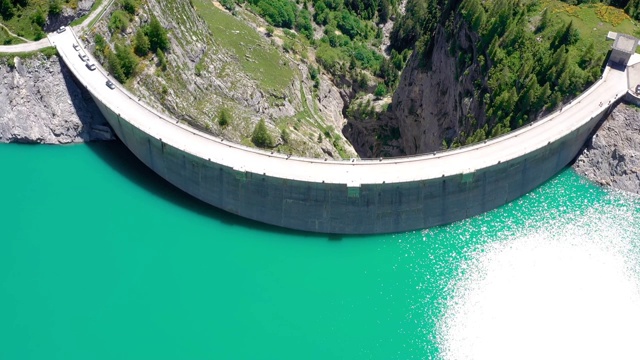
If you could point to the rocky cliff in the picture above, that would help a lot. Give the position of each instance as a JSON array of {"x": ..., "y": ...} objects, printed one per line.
[
  {"x": 40, "y": 103},
  {"x": 436, "y": 100},
  {"x": 612, "y": 156}
]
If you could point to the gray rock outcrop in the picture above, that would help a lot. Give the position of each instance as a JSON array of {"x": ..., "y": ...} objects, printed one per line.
[
  {"x": 68, "y": 15},
  {"x": 612, "y": 156},
  {"x": 40, "y": 103}
]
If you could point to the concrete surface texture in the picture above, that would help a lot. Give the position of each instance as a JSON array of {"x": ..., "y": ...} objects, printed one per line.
[{"x": 356, "y": 196}]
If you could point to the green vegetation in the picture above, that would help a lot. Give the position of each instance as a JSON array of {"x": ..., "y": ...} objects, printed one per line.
[
  {"x": 119, "y": 21},
  {"x": 351, "y": 40},
  {"x": 26, "y": 18},
  {"x": 261, "y": 137},
  {"x": 224, "y": 117},
  {"x": 533, "y": 55},
  {"x": 8, "y": 39},
  {"x": 257, "y": 57},
  {"x": 123, "y": 60},
  {"x": 141, "y": 45}
]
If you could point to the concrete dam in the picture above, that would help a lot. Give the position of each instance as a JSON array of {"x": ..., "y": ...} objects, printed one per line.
[{"x": 352, "y": 196}]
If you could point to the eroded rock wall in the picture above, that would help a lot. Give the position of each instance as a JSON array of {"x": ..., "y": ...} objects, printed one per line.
[
  {"x": 612, "y": 156},
  {"x": 40, "y": 103}
]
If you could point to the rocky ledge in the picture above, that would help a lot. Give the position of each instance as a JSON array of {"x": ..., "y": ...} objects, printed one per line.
[
  {"x": 40, "y": 103},
  {"x": 612, "y": 156}
]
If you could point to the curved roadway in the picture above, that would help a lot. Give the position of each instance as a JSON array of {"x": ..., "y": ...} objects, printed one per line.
[{"x": 354, "y": 172}]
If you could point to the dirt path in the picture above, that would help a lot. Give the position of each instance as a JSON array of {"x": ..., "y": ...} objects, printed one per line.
[{"x": 14, "y": 35}]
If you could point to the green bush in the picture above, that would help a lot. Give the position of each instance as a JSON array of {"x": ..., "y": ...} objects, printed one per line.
[
  {"x": 113, "y": 63},
  {"x": 38, "y": 18},
  {"x": 261, "y": 137},
  {"x": 101, "y": 43},
  {"x": 128, "y": 60},
  {"x": 55, "y": 8},
  {"x": 162, "y": 60},
  {"x": 158, "y": 38},
  {"x": 224, "y": 117},
  {"x": 381, "y": 90},
  {"x": 119, "y": 21},
  {"x": 228, "y": 4},
  {"x": 281, "y": 13},
  {"x": 142, "y": 45},
  {"x": 130, "y": 6}
]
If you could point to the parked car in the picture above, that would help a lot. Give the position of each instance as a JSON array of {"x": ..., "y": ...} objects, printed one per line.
[
  {"x": 76, "y": 47},
  {"x": 638, "y": 89},
  {"x": 110, "y": 85},
  {"x": 91, "y": 66},
  {"x": 83, "y": 57},
  {"x": 61, "y": 30}
]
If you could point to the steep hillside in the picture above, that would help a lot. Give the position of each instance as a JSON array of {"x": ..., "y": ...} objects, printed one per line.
[
  {"x": 222, "y": 73},
  {"x": 481, "y": 69}
]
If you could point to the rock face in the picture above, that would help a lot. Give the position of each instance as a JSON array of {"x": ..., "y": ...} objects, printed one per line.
[
  {"x": 436, "y": 99},
  {"x": 68, "y": 15},
  {"x": 612, "y": 156},
  {"x": 40, "y": 103}
]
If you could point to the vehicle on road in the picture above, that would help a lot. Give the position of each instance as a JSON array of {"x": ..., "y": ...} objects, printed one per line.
[
  {"x": 110, "y": 85},
  {"x": 91, "y": 66},
  {"x": 61, "y": 30},
  {"x": 76, "y": 47},
  {"x": 638, "y": 89},
  {"x": 83, "y": 57}
]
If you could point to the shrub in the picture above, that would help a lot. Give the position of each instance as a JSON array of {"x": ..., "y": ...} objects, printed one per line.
[
  {"x": 270, "y": 30},
  {"x": 224, "y": 117},
  {"x": 130, "y": 6},
  {"x": 115, "y": 68},
  {"x": 55, "y": 8},
  {"x": 101, "y": 43},
  {"x": 158, "y": 39},
  {"x": 162, "y": 60},
  {"x": 261, "y": 137},
  {"x": 119, "y": 21},
  {"x": 228, "y": 4},
  {"x": 142, "y": 45},
  {"x": 381, "y": 90},
  {"x": 128, "y": 60},
  {"x": 38, "y": 18}
]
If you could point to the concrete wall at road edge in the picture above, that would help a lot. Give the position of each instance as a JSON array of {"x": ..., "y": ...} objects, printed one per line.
[{"x": 334, "y": 208}]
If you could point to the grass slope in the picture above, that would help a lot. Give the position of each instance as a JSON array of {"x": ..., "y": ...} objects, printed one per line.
[
  {"x": 593, "y": 21},
  {"x": 257, "y": 57}
]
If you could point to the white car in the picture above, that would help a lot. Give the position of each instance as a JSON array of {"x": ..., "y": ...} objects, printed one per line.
[
  {"x": 61, "y": 30},
  {"x": 91, "y": 66},
  {"x": 76, "y": 47},
  {"x": 83, "y": 57}
]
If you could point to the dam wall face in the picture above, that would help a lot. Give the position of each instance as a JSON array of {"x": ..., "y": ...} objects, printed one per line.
[{"x": 337, "y": 208}]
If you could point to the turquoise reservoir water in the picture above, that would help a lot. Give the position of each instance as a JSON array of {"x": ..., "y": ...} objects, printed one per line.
[{"x": 100, "y": 259}]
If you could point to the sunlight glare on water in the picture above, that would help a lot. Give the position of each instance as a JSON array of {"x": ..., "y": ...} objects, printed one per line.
[{"x": 568, "y": 290}]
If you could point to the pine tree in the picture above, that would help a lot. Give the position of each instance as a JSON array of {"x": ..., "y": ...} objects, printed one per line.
[
  {"x": 142, "y": 45},
  {"x": 158, "y": 39},
  {"x": 261, "y": 137}
]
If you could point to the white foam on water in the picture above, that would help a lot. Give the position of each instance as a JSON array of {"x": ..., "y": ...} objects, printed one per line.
[{"x": 568, "y": 291}]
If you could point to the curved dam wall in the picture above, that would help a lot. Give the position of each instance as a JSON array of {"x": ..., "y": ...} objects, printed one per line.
[
  {"x": 337, "y": 208},
  {"x": 347, "y": 197}
]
